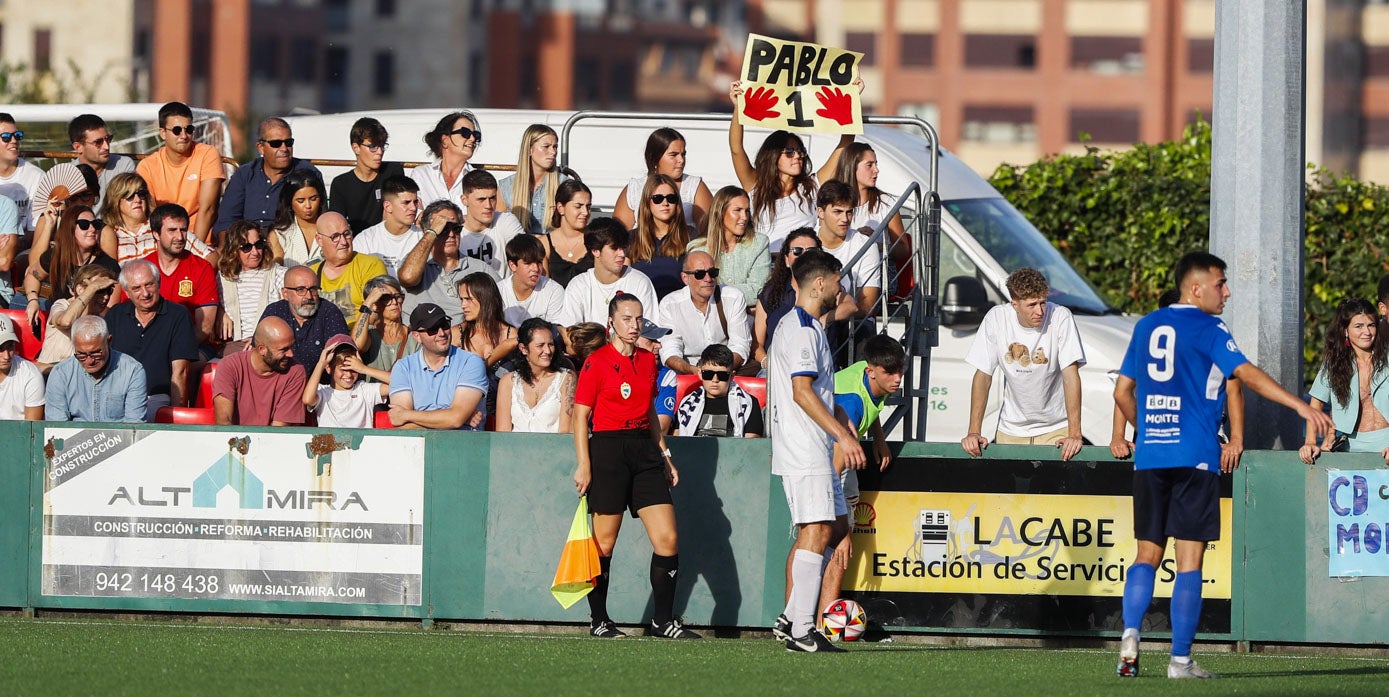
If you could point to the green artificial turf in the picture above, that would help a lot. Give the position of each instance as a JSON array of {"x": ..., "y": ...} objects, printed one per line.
[{"x": 61, "y": 657}]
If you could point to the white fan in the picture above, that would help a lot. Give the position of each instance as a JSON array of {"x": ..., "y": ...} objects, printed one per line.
[{"x": 62, "y": 182}]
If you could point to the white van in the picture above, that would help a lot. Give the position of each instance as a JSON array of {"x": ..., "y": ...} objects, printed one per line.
[{"x": 983, "y": 236}]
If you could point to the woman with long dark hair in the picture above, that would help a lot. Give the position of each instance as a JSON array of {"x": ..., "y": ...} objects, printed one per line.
[
  {"x": 537, "y": 397},
  {"x": 623, "y": 465},
  {"x": 565, "y": 254},
  {"x": 665, "y": 154},
  {"x": 295, "y": 237},
  {"x": 1354, "y": 380},
  {"x": 484, "y": 330},
  {"x": 249, "y": 282},
  {"x": 76, "y": 243},
  {"x": 858, "y": 167},
  {"x": 662, "y": 234}
]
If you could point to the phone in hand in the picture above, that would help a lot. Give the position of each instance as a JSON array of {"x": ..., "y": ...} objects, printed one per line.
[{"x": 36, "y": 328}]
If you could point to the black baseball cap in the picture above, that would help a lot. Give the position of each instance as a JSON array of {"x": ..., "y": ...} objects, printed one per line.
[{"x": 428, "y": 317}]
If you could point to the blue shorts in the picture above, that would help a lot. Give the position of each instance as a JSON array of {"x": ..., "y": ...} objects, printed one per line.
[{"x": 1180, "y": 502}]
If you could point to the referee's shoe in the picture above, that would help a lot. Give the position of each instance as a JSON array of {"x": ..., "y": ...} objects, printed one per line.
[{"x": 674, "y": 629}]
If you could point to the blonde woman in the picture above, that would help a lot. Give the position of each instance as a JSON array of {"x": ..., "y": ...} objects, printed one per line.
[
  {"x": 741, "y": 253},
  {"x": 125, "y": 209},
  {"x": 530, "y": 193}
]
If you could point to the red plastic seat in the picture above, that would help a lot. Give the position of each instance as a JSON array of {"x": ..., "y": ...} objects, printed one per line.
[
  {"x": 383, "y": 419},
  {"x": 684, "y": 385},
  {"x": 184, "y": 415},
  {"x": 29, "y": 345},
  {"x": 757, "y": 387},
  {"x": 204, "y": 398}
]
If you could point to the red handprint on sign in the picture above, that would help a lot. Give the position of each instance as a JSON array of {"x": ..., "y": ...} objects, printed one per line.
[
  {"x": 836, "y": 105},
  {"x": 758, "y": 103}
]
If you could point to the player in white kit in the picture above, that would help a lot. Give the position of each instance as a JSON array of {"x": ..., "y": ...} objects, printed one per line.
[{"x": 804, "y": 431}]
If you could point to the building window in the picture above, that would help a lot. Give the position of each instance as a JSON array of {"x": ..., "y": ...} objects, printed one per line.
[
  {"x": 385, "y": 8},
  {"x": 475, "y": 75},
  {"x": 622, "y": 83},
  {"x": 919, "y": 50},
  {"x": 1200, "y": 55},
  {"x": 1376, "y": 61},
  {"x": 43, "y": 50},
  {"x": 337, "y": 16},
  {"x": 1104, "y": 125},
  {"x": 383, "y": 74},
  {"x": 200, "y": 58},
  {"x": 303, "y": 57},
  {"x": 265, "y": 57},
  {"x": 1000, "y": 51},
  {"x": 586, "y": 82},
  {"x": 1376, "y": 133},
  {"x": 1107, "y": 55},
  {"x": 862, "y": 42},
  {"x": 1000, "y": 124}
]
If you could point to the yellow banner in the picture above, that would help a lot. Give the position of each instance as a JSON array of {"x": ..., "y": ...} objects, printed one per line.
[
  {"x": 1014, "y": 544},
  {"x": 801, "y": 87}
]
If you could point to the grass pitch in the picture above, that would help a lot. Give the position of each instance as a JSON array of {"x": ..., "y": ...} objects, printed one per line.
[{"x": 61, "y": 657}]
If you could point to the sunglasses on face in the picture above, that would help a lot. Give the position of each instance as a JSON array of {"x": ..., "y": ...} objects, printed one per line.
[
  {"x": 450, "y": 228},
  {"x": 715, "y": 375},
  {"x": 441, "y": 329},
  {"x": 258, "y": 244},
  {"x": 465, "y": 133},
  {"x": 100, "y": 141},
  {"x": 797, "y": 251},
  {"x": 278, "y": 143},
  {"x": 392, "y": 298},
  {"x": 89, "y": 224},
  {"x": 793, "y": 152},
  {"x": 699, "y": 274},
  {"x": 142, "y": 193},
  {"x": 672, "y": 199},
  {"x": 16, "y": 136},
  {"x": 179, "y": 130}
]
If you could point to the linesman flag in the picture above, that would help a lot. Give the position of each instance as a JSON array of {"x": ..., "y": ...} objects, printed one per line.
[{"x": 578, "y": 563}]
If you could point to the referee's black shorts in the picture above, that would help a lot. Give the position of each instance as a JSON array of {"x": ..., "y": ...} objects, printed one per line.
[
  {"x": 1180, "y": 502},
  {"x": 628, "y": 472}
]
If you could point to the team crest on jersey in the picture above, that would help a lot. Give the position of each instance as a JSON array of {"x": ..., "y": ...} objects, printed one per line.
[
  {"x": 1230, "y": 345},
  {"x": 626, "y": 390},
  {"x": 185, "y": 288}
]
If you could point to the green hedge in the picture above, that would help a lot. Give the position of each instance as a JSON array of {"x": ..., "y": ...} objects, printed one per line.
[{"x": 1124, "y": 218}]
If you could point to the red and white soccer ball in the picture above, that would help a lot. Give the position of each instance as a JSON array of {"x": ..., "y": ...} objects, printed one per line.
[{"x": 844, "y": 621}]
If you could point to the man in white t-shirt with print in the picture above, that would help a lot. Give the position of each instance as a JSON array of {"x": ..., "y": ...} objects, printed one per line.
[
  {"x": 527, "y": 292},
  {"x": 834, "y": 205},
  {"x": 806, "y": 431},
  {"x": 485, "y": 231},
  {"x": 18, "y": 177},
  {"x": 392, "y": 239},
  {"x": 1037, "y": 346},
  {"x": 21, "y": 383},
  {"x": 586, "y": 297}
]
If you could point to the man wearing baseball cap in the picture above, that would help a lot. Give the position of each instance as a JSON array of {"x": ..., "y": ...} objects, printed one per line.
[
  {"x": 21, "y": 383},
  {"x": 263, "y": 385},
  {"x": 440, "y": 386}
]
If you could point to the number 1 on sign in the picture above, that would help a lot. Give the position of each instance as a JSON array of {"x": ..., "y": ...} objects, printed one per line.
[{"x": 799, "y": 121}]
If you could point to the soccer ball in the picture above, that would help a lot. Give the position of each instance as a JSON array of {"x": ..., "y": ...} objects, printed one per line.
[{"x": 844, "y": 621}]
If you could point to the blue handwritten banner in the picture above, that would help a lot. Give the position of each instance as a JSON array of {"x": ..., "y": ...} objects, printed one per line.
[{"x": 1357, "y": 511}]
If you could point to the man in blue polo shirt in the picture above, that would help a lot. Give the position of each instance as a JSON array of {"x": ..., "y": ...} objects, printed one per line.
[
  {"x": 440, "y": 386},
  {"x": 1172, "y": 387},
  {"x": 253, "y": 191}
]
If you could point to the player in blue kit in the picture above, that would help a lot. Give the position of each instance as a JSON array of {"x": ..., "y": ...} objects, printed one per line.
[{"x": 1171, "y": 386}]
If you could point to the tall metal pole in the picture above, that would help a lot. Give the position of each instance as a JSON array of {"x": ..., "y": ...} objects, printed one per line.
[{"x": 1257, "y": 195}]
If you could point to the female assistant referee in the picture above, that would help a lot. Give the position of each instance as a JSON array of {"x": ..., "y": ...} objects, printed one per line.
[{"x": 624, "y": 464}]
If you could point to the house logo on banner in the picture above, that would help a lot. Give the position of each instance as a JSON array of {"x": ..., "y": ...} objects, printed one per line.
[
  {"x": 229, "y": 471},
  {"x": 783, "y": 80}
]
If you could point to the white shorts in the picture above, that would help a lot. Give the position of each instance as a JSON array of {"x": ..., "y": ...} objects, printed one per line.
[
  {"x": 848, "y": 481},
  {"x": 814, "y": 498}
]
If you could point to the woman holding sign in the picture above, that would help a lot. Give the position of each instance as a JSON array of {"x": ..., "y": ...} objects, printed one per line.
[{"x": 779, "y": 178}]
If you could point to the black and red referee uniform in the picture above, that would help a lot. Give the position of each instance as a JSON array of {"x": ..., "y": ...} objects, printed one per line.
[{"x": 627, "y": 467}]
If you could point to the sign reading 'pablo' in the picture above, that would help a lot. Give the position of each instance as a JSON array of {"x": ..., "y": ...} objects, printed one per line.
[{"x": 784, "y": 81}]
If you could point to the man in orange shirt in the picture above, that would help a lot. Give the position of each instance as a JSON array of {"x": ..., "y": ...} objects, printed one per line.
[{"x": 184, "y": 171}]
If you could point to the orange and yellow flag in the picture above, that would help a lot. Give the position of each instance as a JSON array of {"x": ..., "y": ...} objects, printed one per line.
[{"x": 578, "y": 563}]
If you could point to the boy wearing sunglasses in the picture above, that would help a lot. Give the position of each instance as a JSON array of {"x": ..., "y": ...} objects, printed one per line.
[{"x": 719, "y": 407}]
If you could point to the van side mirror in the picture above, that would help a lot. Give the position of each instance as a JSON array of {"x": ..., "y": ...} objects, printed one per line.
[{"x": 964, "y": 302}]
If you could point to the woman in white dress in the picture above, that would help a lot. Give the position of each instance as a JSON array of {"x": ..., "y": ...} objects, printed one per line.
[
  {"x": 295, "y": 237},
  {"x": 249, "y": 281},
  {"x": 665, "y": 154},
  {"x": 536, "y": 397}
]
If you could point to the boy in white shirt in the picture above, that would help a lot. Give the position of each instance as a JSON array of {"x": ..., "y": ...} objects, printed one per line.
[
  {"x": 527, "y": 292},
  {"x": 347, "y": 401},
  {"x": 834, "y": 204},
  {"x": 485, "y": 230},
  {"x": 396, "y": 234},
  {"x": 1037, "y": 345},
  {"x": 587, "y": 295}
]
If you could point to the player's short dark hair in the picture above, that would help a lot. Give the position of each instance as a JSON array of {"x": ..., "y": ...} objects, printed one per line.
[
  {"x": 174, "y": 109},
  {"x": 1196, "y": 261},
  {"x": 166, "y": 211},
  {"x": 605, "y": 232},
  {"x": 525, "y": 248},
  {"x": 834, "y": 193},
  {"x": 716, "y": 354},
  {"x": 1169, "y": 297},
  {"x": 814, "y": 263},
  {"x": 478, "y": 179},
  {"x": 80, "y": 124},
  {"x": 398, "y": 184},
  {"x": 6, "y": 118},
  {"x": 884, "y": 352},
  {"x": 367, "y": 128}
]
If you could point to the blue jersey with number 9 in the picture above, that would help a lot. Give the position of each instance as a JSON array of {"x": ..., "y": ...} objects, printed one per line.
[{"x": 1180, "y": 357}]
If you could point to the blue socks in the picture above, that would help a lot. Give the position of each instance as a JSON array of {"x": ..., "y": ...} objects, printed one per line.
[
  {"x": 1138, "y": 593},
  {"x": 1186, "y": 610}
]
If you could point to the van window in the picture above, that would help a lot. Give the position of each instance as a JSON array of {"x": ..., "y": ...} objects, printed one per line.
[
  {"x": 954, "y": 262},
  {"x": 1012, "y": 241}
]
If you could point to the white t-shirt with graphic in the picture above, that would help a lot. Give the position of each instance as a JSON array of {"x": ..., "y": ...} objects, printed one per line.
[
  {"x": 489, "y": 244},
  {"x": 349, "y": 408},
  {"x": 1034, "y": 402}
]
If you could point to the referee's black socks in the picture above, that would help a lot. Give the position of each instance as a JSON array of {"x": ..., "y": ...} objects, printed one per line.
[
  {"x": 598, "y": 597},
  {"x": 664, "y": 571}
]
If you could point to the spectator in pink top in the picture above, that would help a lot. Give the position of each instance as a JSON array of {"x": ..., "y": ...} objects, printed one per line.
[{"x": 263, "y": 385}]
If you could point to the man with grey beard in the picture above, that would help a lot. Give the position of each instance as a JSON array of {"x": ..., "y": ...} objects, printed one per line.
[{"x": 313, "y": 322}]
